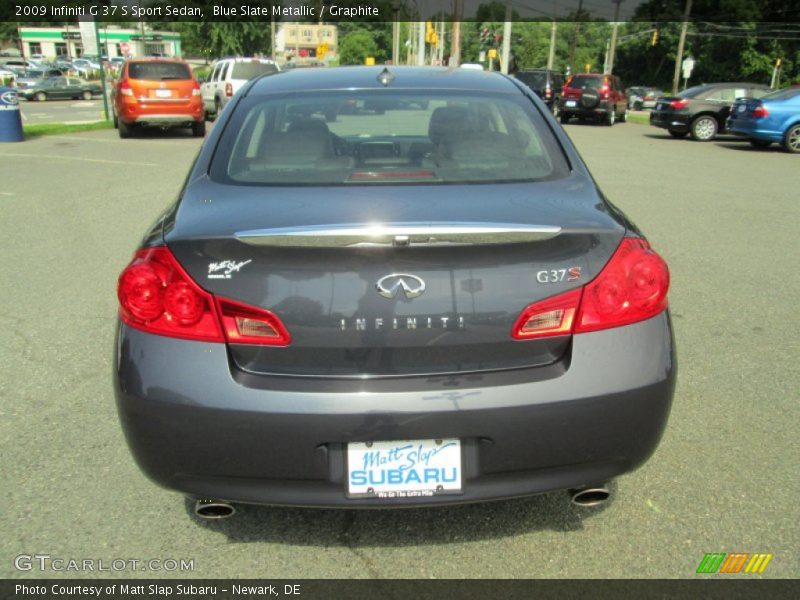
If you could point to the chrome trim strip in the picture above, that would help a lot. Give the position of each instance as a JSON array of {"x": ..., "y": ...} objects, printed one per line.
[{"x": 398, "y": 234}]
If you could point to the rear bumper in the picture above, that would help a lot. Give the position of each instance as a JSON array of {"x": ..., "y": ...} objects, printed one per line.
[
  {"x": 743, "y": 130},
  {"x": 160, "y": 113},
  {"x": 601, "y": 109},
  {"x": 671, "y": 121},
  {"x": 196, "y": 426}
]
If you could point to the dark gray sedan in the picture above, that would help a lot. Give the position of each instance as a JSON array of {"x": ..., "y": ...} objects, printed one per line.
[
  {"x": 61, "y": 88},
  {"x": 402, "y": 307}
]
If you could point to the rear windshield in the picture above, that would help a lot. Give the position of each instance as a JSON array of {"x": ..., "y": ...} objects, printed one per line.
[
  {"x": 158, "y": 71},
  {"x": 534, "y": 79},
  {"x": 582, "y": 82},
  {"x": 367, "y": 138},
  {"x": 248, "y": 70},
  {"x": 783, "y": 94}
]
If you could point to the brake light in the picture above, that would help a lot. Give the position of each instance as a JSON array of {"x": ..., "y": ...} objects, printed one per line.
[
  {"x": 125, "y": 88},
  {"x": 195, "y": 88},
  {"x": 604, "y": 89},
  {"x": 679, "y": 104},
  {"x": 158, "y": 296},
  {"x": 228, "y": 89},
  {"x": 759, "y": 112},
  {"x": 548, "y": 93},
  {"x": 631, "y": 287}
]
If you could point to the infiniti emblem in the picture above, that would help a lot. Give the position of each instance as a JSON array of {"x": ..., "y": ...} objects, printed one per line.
[{"x": 411, "y": 285}]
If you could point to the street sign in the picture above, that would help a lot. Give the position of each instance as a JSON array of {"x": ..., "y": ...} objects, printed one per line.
[
  {"x": 687, "y": 65},
  {"x": 125, "y": 47}
]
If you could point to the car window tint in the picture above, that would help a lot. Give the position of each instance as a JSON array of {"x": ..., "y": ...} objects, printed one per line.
[
  {"x": 215, "y": 72},
  {"x": 586, "y": 83},
  {"x": 158, "y": 71},
  {"x": 758, "y": 93},
  {"x": 396, "y": 138},
  {"x": 533, "y": 79},
  {"x": 248, "y": 70}
]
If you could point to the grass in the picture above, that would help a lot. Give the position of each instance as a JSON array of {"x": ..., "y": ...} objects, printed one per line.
[
  {"x": 641, "y": 119},
  {"x": 59, "y": 128}
]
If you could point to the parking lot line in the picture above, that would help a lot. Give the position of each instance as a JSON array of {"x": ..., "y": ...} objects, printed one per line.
[{"x": 78, "y": 158}]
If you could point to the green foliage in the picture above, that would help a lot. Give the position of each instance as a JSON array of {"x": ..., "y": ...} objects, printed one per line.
[
  {"x": 213, "y": 39},
  {"x": 355, "y": 47}
]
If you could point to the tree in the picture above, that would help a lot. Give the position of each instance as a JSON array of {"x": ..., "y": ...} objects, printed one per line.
[
  {"x": 213, "y": 39},
  {"x": 355, "y": 47}
]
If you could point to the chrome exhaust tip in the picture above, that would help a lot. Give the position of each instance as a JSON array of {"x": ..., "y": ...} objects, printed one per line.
[
  {"x": 590, "y": 496},
  {"x": 213, "y": 509}
]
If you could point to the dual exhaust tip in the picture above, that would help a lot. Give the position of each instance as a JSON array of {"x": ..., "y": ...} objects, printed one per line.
[
  {"x": 587, "y": 497},
  {"x": 213, "y": 509},
  {"x": 590, "y": 496}
]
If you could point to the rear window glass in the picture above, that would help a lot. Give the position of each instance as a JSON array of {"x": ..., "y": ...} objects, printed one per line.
[
  {"x": 367, "y": 138},
  {"x": 158, "y": 71},
  {"x": 783, "y": 94},
  {"x": 534, "y": 80},
  {"x": 580, "y": 82},
  {"x": 248, "y": 70}
]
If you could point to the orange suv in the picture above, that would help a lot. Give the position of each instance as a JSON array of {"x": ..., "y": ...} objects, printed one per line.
[
  {"x": 157, "y": 91},
  {"x": 595, "y": 96}
]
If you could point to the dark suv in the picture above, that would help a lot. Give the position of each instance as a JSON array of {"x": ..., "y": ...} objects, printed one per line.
[
  {"x": 546, "y": 84},
  {"x": 594, "y": 96},
  {"x": 701, "y": 110}
]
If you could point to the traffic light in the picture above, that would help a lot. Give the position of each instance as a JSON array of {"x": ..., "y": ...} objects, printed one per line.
[
  {"x": 654, "y": 39},
  {"x": 429, "y": 32}
]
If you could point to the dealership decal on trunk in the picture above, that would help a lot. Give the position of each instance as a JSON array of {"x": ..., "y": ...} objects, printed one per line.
[{"x": 227, "y": 267}]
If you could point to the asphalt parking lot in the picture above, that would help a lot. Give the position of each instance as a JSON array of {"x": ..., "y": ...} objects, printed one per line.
[
  {"x": 62, "y": 111},
  {"x": 724, "y": 479}
]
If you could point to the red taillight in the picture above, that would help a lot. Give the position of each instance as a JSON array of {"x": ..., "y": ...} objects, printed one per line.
[
  {"x": 228, "y": 89},
  {"x": 554, "y": 316},
  {"x": 631, "y": 287},
  {"x": 249, "y": 325},
  {"x": 604, "y": 89},
  {"x": 548, "y": 93},
  {"x": 125, "y": 88},
  {"x": 759, "y": 112},
  {"x": 678, "y": 104},
  {"x": 195, "y": 88},
  {"x": 158, "y": 296}
]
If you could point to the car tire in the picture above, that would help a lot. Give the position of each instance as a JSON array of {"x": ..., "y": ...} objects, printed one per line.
[
  {"x": 791, "y": 141},
  {"x": 623, "y": 118},
  {"x": 40, "y": 96},
  {"x": 564, "y": 118},
  {"x": 124, "y": 129},
  {"x": 704, "y": 128},
  {"x": 760, "y": 143},
  {"x": 638, "y": 106},
  {"x": 115, "y": 120},
  {"x": 611, "y": 117},
  {"x": 678, "y": 135},
  {"x": 555, "y": 110},
  {"x": 199, "y": 129},
  {"x": 87, "y": 95}
]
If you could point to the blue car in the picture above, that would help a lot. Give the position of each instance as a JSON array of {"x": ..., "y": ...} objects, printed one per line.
[{"x": 773, "y": 118}]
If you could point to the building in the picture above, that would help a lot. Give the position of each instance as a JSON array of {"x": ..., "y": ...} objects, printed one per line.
[
  {"x": 306, "y": 42},
  {"x": 67, "y": 42}
]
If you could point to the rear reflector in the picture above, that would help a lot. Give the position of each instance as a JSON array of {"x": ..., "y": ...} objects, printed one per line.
[
  {"x": 157, "y": 295},
  {"x": 228, "y": 90},
  {"x": 631, "y": 287}
]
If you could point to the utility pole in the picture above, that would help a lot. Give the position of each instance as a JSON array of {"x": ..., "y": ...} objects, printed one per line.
[
  {"x": 421, "y": 38},
  {"x": 575, "y": 38},
  {"x": 395, "y": 34},
  {"x": 506, "y": 54},
  {"x": 676, "y": 78},
  {"x": 613, "y": 38},
  {"x": 551, "y": 57},
  {"x": 455, "y": 48},
  {"x": 272, "y": 37}
]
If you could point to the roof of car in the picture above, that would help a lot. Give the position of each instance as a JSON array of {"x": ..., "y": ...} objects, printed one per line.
[
  {"x": 341, "y": 78},
  {"x": 157, "y": 59}
]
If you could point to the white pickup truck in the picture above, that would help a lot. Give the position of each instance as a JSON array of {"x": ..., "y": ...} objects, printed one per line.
[{"x": 227, "y": 76}]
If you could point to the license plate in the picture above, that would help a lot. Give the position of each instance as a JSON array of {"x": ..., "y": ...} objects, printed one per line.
[
  {"x": 404, "y": 469},
  {"x": 742, "y": 108},
  {"x": 570, "y": 103},
  {"x": 163, "y": 93}
]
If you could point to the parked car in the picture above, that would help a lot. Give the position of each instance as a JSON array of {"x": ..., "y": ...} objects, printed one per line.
[
  {"x": 594, "y": 96},
  {"x": 61, "y": 88},
  {"x": 32, "y": 77},
  {"x": 227, "y": 76},
  {"x": 773, "y": 118},
  {"x": 702, "y": 110},
  {"x": 84, "y": 66},
  {"x": 356, "y": 315},
  {"x": 546, "y": 83},
  {"x": 158, "y": 92},
  {"x": 641, "y": 97}
]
